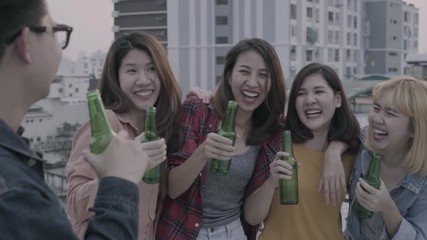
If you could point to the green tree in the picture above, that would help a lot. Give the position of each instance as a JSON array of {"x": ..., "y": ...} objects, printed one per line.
[{"x": 63, "y": 139}]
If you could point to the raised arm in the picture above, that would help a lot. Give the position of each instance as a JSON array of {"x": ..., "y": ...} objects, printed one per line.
[{"x": 200, "y": 145}]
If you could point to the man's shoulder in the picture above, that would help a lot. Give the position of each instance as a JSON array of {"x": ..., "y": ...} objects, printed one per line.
[{"x": 14, "y": 173}]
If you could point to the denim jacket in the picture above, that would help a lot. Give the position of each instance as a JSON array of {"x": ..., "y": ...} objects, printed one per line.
[
  {"x": 410, "y": 197},
  {"x": 30, "y": 210}
]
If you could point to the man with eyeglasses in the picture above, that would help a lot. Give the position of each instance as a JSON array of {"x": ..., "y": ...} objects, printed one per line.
[{"x": 30, "y": 52}]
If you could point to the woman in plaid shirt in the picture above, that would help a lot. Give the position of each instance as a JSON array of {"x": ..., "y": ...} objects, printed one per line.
[{"x": 201, "y": 205}]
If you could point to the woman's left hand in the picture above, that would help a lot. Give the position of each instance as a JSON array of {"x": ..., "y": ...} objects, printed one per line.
[{"x": 332, "y": 182}]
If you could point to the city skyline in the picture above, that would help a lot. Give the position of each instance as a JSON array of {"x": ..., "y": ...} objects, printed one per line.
[{"x": 93, "y": 24}]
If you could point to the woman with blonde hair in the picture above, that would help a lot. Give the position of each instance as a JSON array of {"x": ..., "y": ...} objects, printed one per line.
[{"x": 397, "y": 130}]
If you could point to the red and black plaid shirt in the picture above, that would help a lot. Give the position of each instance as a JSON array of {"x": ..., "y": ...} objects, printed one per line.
[{"x": 181, "y": 218}]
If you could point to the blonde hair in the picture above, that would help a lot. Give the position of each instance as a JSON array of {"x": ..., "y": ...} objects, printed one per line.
[{"x": 410, "y": 96}]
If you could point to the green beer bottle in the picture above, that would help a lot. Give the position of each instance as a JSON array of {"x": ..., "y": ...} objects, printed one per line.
[
  {"x": 99, "y": 125},
  {"x": 289, "y": 188},
  {"x": 220, "y": 167},
  {"x": 373, "y": 179},
  {"x": 151, "y": 176}
]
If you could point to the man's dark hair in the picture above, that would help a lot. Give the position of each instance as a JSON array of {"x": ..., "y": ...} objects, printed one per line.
[{"x": 14, "y": 14}]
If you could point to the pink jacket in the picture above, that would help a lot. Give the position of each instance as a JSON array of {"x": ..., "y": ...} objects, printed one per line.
[{"x": 83, "y": 183}]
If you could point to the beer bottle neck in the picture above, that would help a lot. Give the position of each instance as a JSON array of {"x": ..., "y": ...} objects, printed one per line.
[
  {"x": 99, "y": 122},
  {"x": 229, "y": 120},
  {"x": 374, "y": 168},
  {"x": 287, "y": 144}
]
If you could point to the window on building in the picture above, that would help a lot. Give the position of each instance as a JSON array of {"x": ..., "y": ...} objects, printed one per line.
[
  {"x": 293, "y": 11},
  {"x": 60, "y": 90},
  {"x": 416, "y": 44},
  {"x": 355, "y": 22},
  {"x": 221, "y": 20},
  {"x": 70, "y": 95},
  {"x": 405, "y": 45},
  {"x": 77, "y": 90},
  {"x": 355, "y": 56},
  {"x": 40, "y": 119},
  {"x": 348, "y": 55},
  {"x": 355, "y": 39},
  {"x": 337, "y": 55},
  {"x": 309, "y": 12},
  {"x": 221, "y": 2},
  {"x": 293, "y": 54},
  {"x": 220, "y": 60},
  {"x": 405, "y": 17},
  {"x": 331, "y": 17},
  {"x": 70, "y": 85},
  {"x": 348, "y": 38},
  {"x": 221, "y": 40},
  {"x": 392, "y": 54},
  {"x": 309, "y": 55},
  {"x": 38, "y": 139}
]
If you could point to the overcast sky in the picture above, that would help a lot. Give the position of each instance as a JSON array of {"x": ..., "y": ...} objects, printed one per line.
[{"x": 92, "y": 21}]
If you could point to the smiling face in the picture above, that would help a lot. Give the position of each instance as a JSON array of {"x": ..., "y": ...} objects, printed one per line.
[
  {"x": 138, "y": 80},
  {"x": 316, "y": 103},
  {"x": 249, "y": 81},
  {"x": 389, "y": 128}
]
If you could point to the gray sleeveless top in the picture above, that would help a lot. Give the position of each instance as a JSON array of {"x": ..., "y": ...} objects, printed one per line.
[{"x": 223, "y": 195}]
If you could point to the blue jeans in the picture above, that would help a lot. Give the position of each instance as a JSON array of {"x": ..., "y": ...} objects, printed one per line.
[{"x": 233, "y": 230}]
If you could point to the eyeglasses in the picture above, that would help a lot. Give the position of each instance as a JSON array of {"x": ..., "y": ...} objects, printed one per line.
[{"x": 61, "y": 31}]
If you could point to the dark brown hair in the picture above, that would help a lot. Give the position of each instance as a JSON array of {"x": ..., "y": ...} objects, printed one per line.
[
  {"x": 266, "y": 119},
  {"x": 168, "y": 103},
  {"x": 344, "y": 125},
  {"x": 15, "y": 14}
]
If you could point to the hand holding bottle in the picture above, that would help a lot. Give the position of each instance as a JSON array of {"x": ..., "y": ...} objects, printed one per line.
[
  {"x": 155, "y": 150},
  {"x": 218, "y": 147},
  {"x": 279, "y": 169},
  {"x": 375, "y": 200},
  {"x": 122, "y": 158}
]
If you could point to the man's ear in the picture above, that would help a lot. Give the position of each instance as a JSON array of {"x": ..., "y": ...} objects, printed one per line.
[{"x": 22, "y": 45}]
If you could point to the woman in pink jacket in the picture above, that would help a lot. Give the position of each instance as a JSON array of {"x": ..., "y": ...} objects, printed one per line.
[{"x": 136, "y": 75}]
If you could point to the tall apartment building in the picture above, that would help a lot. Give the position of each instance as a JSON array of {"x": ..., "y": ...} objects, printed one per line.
[
  {"x": 391, "y": 33},
  {"x": 198, "y": 33},
  {"x": 141, "y": 15}
]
